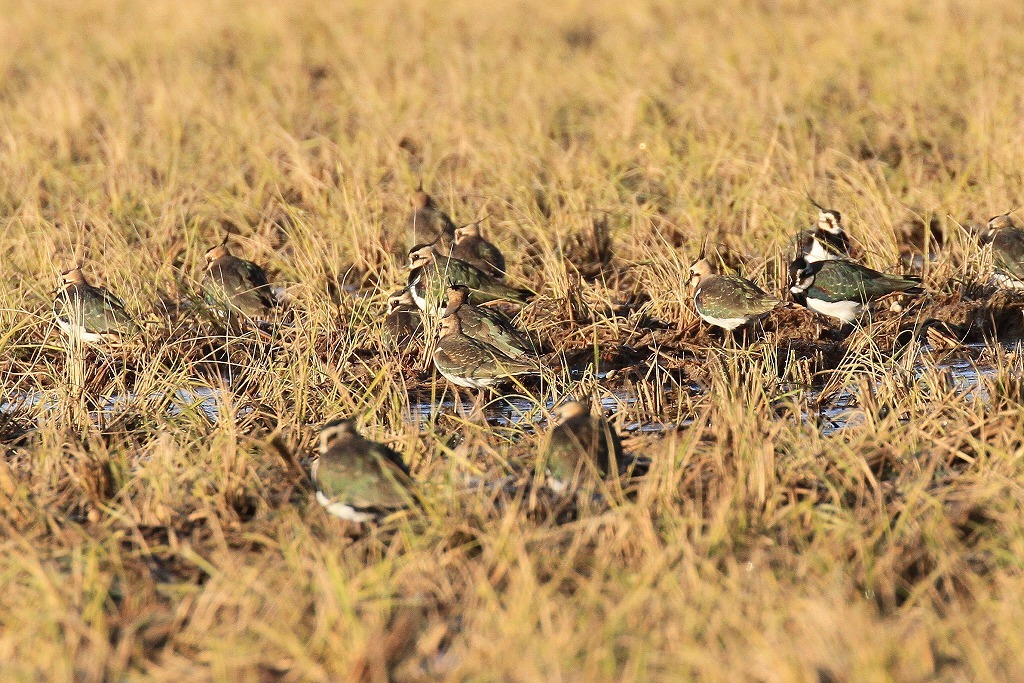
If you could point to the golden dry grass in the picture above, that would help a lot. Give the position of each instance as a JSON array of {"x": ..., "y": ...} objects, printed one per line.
[{"x": 159, "y": 545}]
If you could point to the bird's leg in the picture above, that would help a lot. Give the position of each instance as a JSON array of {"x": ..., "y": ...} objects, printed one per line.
[
  {"x": 457, "y": 403},
  {"x": 478, "y": 406},
  {"x": 729, "y": 339}
]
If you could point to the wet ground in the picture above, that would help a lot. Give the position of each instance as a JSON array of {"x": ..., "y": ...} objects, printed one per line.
[
  {"x": 833, "y": 411},
  {"x": 649, "y": 369}
]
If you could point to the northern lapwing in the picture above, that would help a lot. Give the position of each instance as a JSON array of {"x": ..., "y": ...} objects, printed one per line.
[
  {"x": 488, "y": 325},
  {"x": 727, "y": 301},
  {"x": 582, "y": 446},
  {"x": 91, "y": 313},
  {"x": 469, "y": 363},
  {"x": 235, "y": 288},
  {"x": 840, "y": 289},
  {"x": 431, "y": 273},
  {"x": 471, "y": 247},
  {"x": 827, "y": 240},
  {"x": 402, "y": 321},
  {"x": 427, "y": 222},
  {"x": 1007, "y": 242},
  {"x": 357, "y": 479}
]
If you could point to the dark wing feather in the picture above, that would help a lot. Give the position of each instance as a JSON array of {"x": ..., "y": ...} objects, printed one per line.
[{"x": 1008, "y": 251}]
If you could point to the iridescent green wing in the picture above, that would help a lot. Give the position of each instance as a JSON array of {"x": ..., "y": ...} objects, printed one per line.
[{"x": 368, "y": 479}]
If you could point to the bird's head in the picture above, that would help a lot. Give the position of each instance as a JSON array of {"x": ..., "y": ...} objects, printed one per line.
[
  {"x": 421, "y": 200},
  {"x": 470, "y": 230},
  {"x": 75, "y": 276},
  {"x": 831, "y": 221},
  {"x": 421, "y": 255},
  {"x": 217, "y": 252},
  {"x": 700, "y": 270},
  {"x": 457, "y": 295},
  {"x": 801, "y": 275},
  {"x": 402, "y": 297},
  {"x": 335, "y": 430},
  {"x": 1000, "y": 222}
]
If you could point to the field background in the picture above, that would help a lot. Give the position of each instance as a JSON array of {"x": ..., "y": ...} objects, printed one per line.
[{"x": 134, "y": 134}]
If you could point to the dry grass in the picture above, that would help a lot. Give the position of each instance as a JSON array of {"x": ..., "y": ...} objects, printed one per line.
[{"x": 160, "y": 544}]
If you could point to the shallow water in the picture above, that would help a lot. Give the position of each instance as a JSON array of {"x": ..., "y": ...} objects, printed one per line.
[
  {"x": 207, "y": 400},
  {"x": 840, "y": 412}
]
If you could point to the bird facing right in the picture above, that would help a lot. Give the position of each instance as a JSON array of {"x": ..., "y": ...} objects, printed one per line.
[
  {"x": 488, "y": 325},
  {"x": 470, "y": 363},
  {"x": 430, "y": 274},
  {"x": 235, "y": 287}
]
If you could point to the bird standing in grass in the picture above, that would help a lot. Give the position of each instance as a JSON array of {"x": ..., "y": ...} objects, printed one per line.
[
  {"x": 581, "y": 447},
  {"x": 430, "y": 274},
  {"x": 403, "y": 320},
  {"x": 841, "y": 289},
  {"x": 236, "y": 287},
  {"x": 1007, "y": 242},
  {"x": 357, "y": 479},
  {"x": 488, "y": 325},
  {"x": 471, "y": 247},
  {"x": 470, "y": 363},
  {"x": 727, "y": 301},
  {"x": 91, "y": 313}
]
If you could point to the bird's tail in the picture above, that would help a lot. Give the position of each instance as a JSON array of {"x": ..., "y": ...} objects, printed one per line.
[{"x": 907, "y": 284}]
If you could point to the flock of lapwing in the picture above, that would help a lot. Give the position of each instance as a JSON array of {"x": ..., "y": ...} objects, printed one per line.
[{"x": 455, "y": 277}]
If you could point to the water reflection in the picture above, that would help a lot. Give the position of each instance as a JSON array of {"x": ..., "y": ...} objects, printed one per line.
[{"x": 964, "y": 375}]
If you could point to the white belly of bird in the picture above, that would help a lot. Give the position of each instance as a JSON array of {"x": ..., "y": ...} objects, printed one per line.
[
  {"x": 417, "y": 296},
  {"x": 725, "y": 323},
  {"x": 557, "y": 486},
  {"x": 416, "y": 291},
  {"x": 343, "y": 511},
  {"x": 847, "y": 311},
  {"x": 468, "y": 382},
  {"x": 79, "y": 332}
]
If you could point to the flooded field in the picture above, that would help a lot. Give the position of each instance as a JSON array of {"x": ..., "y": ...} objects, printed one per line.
[
  {"x": 963, "y": 372},
  {"x": 243, "y": 437}
]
